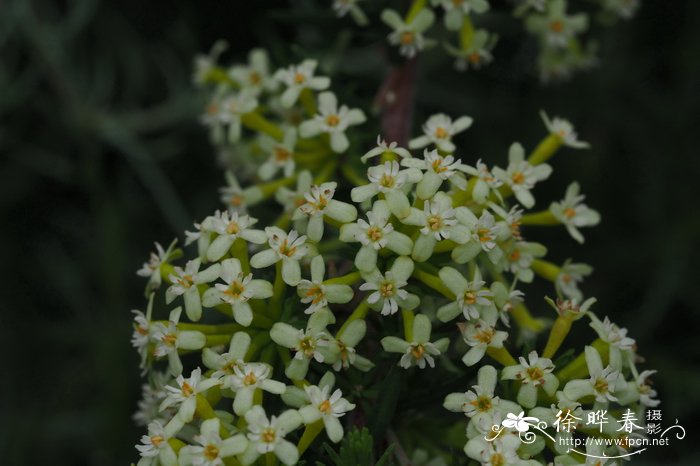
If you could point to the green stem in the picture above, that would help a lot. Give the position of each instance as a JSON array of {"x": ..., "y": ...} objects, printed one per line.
[
  {"x": 416, "y": 8},
  {"x": 256, "y": 122},
  {"x": 433, "y": 282},
  {"x": 407, "y": 324},
  {"x": 360, "y": 312},
  {"x": 349, "y": 279},
  {"x": 278, "y": 290},
  {"x": 545, "y": 149},
  {"x": 239, "y": 250},
  {"x": 309, "y": 435},
  {"x": 546, "y": 270},
  {"x": 218, "y": 339},
  {"x": 543, "y": 218},
  {"x": 466, "y": 33},
  {"x": 577, "y": 369},
  {"x": 559, "y": 331},
  {"x": 352, "y": 176},
  {"x": 212, "y": 329},
  {"x": 308, "y": 101},
  {"x": 525, "y": 320},
  {"x": 501, "y": 355}
]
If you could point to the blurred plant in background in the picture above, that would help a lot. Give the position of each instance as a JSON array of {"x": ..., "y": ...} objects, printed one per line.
[{"x": 97, "y": 163}]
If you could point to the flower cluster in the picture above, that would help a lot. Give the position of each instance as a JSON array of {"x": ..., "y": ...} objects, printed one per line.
[
  {"x": 324, "y": 266},
  {"x": 563, "y": 49}
]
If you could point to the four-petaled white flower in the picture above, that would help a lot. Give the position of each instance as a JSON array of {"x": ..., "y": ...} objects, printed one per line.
[
  {"x": 317, "y": 294},
  {"x": 326, "y": 407},
  {"x": 310, "y": 344},
  {"x": 299, "y": 77},
  {"x": 387, "y": 293},
  {"x": 570, "y": 275},
  {"x": 456, "y": 10},
  {"x": 437, "y": 168},
  {"x": 612, "y": 334},
  {"x": 376, "y": 233},
  {"x": 229, "y": 227},
  {"x": 565, "y": 130},
  {"x": 480, "y": 335},
  {"x": 484, "y": 236},
  {"x": 389, "y": 179},
  {"x": 255, "y": 76},
  {"x": 419, "y": 351},
  {"x": 233, "y": 108},
  {"x": 289, "y": 248},
  {"x": 471, "y": 296},
  {"x": 184, "y": 283},
  {"x": 520, "y": 176},
  {"x": 238, "y": 289},
  {"x": 408, "y": 35},
  {"x": 267, "y": 435},
  {"x": 156, "y": 444},
  {"x": 555, "y": 26},
  {"x": 151, "y": 269},
  {"x": 646, "y": 393},
  {"x": 212, "y": 449},
  {"x": 573, "y": 213},
  {"x": 439, "y": 130},
  {"x": 320, "y": 202},
  {"x": 169, "y": 339},
  {"x": 185, "y": 394},
  {"x": 332, "y": 120},
  {"x": 603, "y": 382},
  {"x": 532, "y": 373},
  {"x": 281, "y": 155}
]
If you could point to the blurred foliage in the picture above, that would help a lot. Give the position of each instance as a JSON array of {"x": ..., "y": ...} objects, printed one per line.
[{"x": 101, "y": 154}]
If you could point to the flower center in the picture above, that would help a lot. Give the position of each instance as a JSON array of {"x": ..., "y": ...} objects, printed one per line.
[
  {"x": 417, "y": 351},
  {"x": 299, "y": 78},
  {"x": 482, "y": 403},
  {"x": 142, "y": 330},
  {"x": 435, "y": 222},
  {"x": 325, "y": 407},
  {"x": 534, "y": 373},
  {"x": 601, "y": 385},
  {"x": 250, "y": 379},
  {"x": 156, "y": 440},
  {"x": 212, "y": 109},
  {"x": 440, "y": 132},
  {"x": 518, "y": 178},
  {"x": 474, "y": 58},
  {"x": 374, "y": 233},
  {"x": 186, "y": 281},
  {"x": 169, "y": 339},
  {"x": 232, "y": 228},
  {"x": 287, "y": 250},
  {"x": 187, "y": 389},
  {"x": 514, "y": 256},
  {"x": 236, "y": 200},
  {"x": 211, "y": 452},
  {"x": 332, "y": 120},
  {"x": 387, "y": 289},
  {"x": 255, "y": 78},
  {"x": 556, "y": 26},
  {"x": 570, "y": 212},
  {"x": 307, "y": 346},
  {"x": 235, "y": 290},
  {"x": 268, "y": 435},
  {"x": 387, "y": 181},
  {"x": 316, "y": 293},
  {"x": 485, "y": 336},
  {"x": 438, "y": 167},
  {"x": 484, "y": 235},
  {"x": 406, "y": 38},
  {"x": 281, "y": 154},
  {"x": 470, "y": 297},
  {"x": 497, "y": 460}
]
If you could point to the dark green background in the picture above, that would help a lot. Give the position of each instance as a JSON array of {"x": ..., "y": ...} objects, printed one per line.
[{"x": 101, "y": 154}]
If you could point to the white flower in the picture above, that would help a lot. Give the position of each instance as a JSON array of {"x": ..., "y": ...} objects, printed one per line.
[
  {"x": 291, "y": 200},
  {"x": 318, "y": 294},
  {"x": 439, "y": 130},
  {"x": 152, "y": 394},
  {"x": 408, "y": 36},
  {"x": 288, "y": 248},
  {"x": 141, "y": 337},
  {"x": 281, "y": 155},
  {"x": 573, "y": 213},
  {"x": 486, "y": 183},
  {"x": 310, "y": 344},
  {"x": 332, "y": 120},
  {"x": 169, "y": 339},
  {"x": 204, "y": 64},
  {"x": 480, "y": 335},
  {"x": 387, "y": 290},
  {"x": 520, "y": 176},
  {"x": 612, "y": 334},
  {"x": 646, "y": 393},
  {"x": 565, "y": 130},
  {"x": 299, "y": 77},
  {"x": 254, "y": 76},
  {"x": 533, "y": 372},
  {"x": 238, "y": 289},
  {"x": 478, "y": 401},
  {"x": 154, "y": 442},
  {"x": 343, "y": 7},
  {"x": 230, "y": 227},
  {"x": 419, "y": 351},
  {"x": 151, "y": 269},
  {"x": 484, "y": 236},
  {"x": 184, "y": 283},
  {"x": 389, "y": 179},
  {"x": 570, "y": 275},
  {"x": 185, "y": 394},
  {"x": 519, "y": 259},
  {"x": 376, "y": 233},
  {"x": 232, "y": 108},
  {"x": 555, "y": 26},
  {"x": 602, "y": 384},
  {"x": 348, "y": 339},
  {"x": 327, "y": 407},
  {"x": 437, "y": 168},
  {"x": 212, "y": 450},
  {"x": 385, "y": 148},
  {"x": 267, "y": 436},
  {"x": 477, "y": 54},
  {"x": 320, "y": 202},
  {"x": 471, "y": 296},
  {"x": 456, "y": 10}
]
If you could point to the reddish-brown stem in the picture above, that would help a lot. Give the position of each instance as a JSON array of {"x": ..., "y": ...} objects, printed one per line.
[{"x": 395, "y": 99}]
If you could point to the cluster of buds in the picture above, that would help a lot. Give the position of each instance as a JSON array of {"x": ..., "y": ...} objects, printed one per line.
[
  {"x": 313, "y": 269},
  {"x": 562, "y": 50}
]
